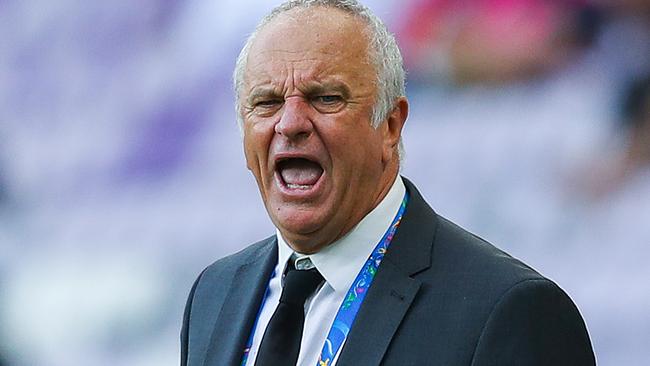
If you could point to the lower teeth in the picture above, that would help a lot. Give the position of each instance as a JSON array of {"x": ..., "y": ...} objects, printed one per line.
[{"x": 298, "y": 186}]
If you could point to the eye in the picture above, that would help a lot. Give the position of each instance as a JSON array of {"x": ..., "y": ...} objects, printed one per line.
[
  {"x": 267, "y": 103},
  {"x": 328, "y": 99},
  {"x": 266, "y": 107},
  {"x": 328, "y": 103}
]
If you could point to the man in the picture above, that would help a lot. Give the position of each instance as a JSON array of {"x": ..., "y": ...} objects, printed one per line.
[{"x": 320, "y": 97}]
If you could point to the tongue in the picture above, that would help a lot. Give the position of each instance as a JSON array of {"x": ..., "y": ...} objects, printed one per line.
[{"x": 300, "y": 172}]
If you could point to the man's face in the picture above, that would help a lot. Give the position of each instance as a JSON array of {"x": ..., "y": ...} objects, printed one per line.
[{"x": 307, "y": 99}]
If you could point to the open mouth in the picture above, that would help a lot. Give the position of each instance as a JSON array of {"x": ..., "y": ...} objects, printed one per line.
[{"x": 299, "y": 173}]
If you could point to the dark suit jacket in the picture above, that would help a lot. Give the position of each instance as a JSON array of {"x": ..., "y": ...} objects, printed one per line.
[{"x": 442, "y": 296}]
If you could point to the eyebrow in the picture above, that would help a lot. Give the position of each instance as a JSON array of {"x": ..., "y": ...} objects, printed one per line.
[
  {"x": 261, "y": 92},
  {"x": 328, "y": 86}
]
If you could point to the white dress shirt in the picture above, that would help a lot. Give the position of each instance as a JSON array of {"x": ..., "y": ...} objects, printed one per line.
[{"x": 339, "y": 264}]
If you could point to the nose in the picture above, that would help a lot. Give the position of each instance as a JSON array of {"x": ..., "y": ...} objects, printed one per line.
[{"x": 295, "y": 122}]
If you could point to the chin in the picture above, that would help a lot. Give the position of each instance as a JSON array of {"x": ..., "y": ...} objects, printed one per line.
[{"x": 299, "y": 225}]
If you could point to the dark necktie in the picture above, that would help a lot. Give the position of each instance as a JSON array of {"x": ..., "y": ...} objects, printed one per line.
[{"x": 281, "y": 341}]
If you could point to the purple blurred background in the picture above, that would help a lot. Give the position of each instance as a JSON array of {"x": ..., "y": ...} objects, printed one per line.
[{"x": 122, "y": 173}]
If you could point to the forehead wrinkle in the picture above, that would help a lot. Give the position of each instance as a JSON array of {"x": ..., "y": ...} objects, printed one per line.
[
  {"x": 304, "y": 71},
  {"x": 301, "y": 61}
]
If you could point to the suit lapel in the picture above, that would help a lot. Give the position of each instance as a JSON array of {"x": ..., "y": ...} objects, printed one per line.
[
  {"x": 380, "y": 315},
  {"x": 393, "y": 289},
  {"x": 238, "y": 314}
]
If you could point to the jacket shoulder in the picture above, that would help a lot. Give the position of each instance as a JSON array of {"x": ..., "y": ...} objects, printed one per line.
[
  {"x": 208, "y": 295},
  {"x": 230, "y": 263},
  {"x": 466, "y": 256}
]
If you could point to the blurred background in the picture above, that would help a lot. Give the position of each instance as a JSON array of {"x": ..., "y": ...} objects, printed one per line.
[{"x": 122, "y": 174}]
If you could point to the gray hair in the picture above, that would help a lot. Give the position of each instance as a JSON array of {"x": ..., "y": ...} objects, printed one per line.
[{"x": 383, "y": 53}]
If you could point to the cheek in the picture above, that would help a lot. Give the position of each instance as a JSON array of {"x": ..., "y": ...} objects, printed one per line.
[
  {"x": 257, "y": 141},
  {"x": 358, "y": 139},
  {"x": 353, "y": 150}
]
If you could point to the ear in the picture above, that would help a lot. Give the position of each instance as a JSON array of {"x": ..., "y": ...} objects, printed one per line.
[{"x": 392, "y": 129}]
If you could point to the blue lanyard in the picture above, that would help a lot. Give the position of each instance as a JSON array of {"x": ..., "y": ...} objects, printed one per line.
[{"x": 353, "y": 299}]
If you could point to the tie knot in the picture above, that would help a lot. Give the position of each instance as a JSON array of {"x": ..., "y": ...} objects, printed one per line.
[{"x": 299, "y": 285}]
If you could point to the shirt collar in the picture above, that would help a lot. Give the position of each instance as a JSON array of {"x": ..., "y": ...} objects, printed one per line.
[{"x": 340, "y": 262}]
